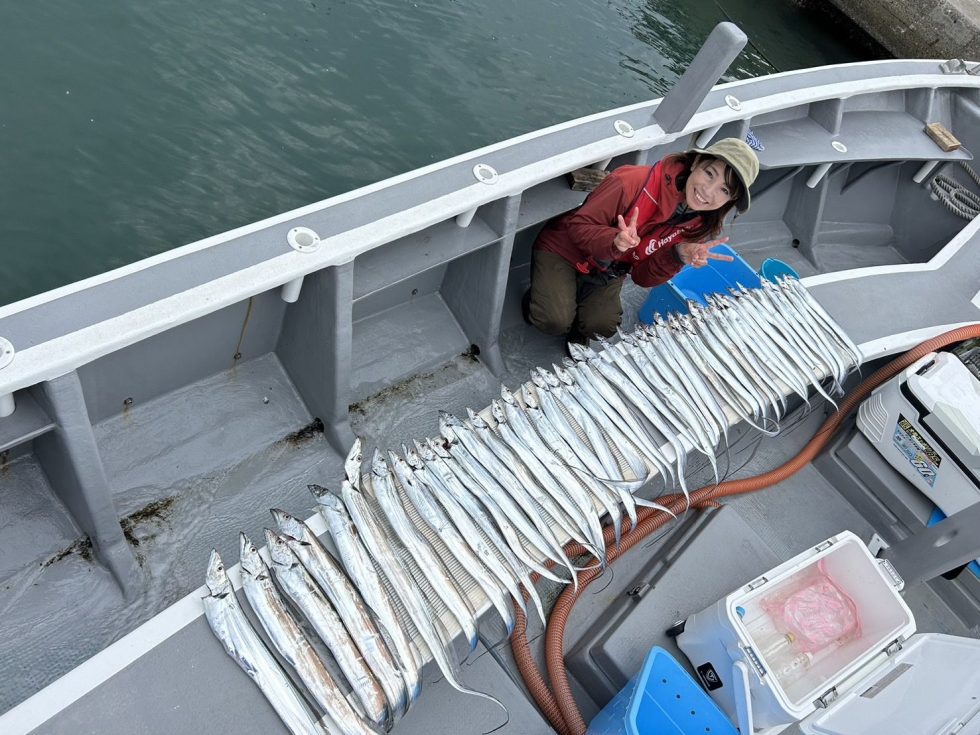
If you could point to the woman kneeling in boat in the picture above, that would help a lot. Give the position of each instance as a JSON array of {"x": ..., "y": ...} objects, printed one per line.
[{"x": 645, "y": 221}]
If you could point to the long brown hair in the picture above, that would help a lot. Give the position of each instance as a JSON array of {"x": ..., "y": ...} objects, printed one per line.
[{"x": 712, "y": 220}]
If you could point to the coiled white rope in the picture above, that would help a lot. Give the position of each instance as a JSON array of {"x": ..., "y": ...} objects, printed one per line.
[{"x": 955, "y": 197}]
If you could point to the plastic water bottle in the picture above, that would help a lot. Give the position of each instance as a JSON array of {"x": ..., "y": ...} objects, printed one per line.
[{"x": 791, "y": 667}]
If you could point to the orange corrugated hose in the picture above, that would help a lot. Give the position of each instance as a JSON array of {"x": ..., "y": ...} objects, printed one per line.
[{"x": 559, "y": 707}]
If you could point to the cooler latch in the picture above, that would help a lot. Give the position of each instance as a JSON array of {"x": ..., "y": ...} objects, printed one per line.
[
  {"x": 894, "y": 647},
  {"x": 756, "y": 584},
  {"x": 756, "y": 662},
  {"x": 829, "y": 696},
  {"x": 892, "y": 573}
]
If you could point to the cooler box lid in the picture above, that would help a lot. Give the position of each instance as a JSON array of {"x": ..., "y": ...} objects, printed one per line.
[
  {"x": 931, "y": 686},
  {"x": 949, "y": 391}
]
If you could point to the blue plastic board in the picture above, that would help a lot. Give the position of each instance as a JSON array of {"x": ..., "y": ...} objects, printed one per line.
[
  {"x": 695, "y": 283},
  {"x": 662, "y": 699}
]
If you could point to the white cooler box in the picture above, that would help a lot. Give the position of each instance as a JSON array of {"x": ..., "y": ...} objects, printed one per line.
[
  {"x": 926, "y": 423},
  {"x": 860, "y": 672}
]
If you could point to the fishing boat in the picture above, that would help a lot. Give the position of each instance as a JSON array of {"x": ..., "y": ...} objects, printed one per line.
[{"x": 151, "y": 413}]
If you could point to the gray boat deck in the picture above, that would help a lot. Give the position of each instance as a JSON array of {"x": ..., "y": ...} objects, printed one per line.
[{"x": 180, "y": 497}]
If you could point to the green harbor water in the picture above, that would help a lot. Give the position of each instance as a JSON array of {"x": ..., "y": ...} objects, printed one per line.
[{"x": 130, "y": 128}]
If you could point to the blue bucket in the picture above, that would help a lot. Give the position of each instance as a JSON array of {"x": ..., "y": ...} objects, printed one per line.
[
  {"x": 773, "y": 269},
  {"x": 695, "y": 283},
  {"x": 662, "y": 699}
]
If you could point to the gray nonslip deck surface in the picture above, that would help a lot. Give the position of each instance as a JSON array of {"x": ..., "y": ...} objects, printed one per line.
[{"x": 193, "y": 681}]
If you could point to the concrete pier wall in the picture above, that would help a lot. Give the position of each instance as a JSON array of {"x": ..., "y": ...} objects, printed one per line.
[{"x": 924, "y": 29}]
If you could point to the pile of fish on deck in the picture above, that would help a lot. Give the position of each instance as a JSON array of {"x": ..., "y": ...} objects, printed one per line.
[{"x": 502, "y": 500}]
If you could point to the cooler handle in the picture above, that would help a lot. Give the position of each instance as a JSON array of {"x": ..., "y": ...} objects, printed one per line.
[{"x": 743, "y": 698}]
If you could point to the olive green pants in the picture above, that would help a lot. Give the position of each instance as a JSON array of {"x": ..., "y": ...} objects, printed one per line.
[{"x": 564, "y": 303}]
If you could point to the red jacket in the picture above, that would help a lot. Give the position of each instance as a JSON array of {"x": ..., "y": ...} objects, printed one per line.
[{"x": 586, "y": 235}]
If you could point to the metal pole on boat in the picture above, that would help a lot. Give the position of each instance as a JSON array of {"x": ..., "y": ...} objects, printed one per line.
[{"x": 719, "y": 50}]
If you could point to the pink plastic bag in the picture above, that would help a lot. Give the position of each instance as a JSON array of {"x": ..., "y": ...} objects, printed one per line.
[{"x": 815, "y": 611}]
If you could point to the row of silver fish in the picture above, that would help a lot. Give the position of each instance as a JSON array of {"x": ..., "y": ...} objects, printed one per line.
[{"x": 504, "y": 492}]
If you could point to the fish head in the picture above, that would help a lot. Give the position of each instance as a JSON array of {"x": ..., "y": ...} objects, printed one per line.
[
  {"x": 352, "y": 464},
  {"x": 568, "y": 362},
  {"x": 412, "y": 457},
  {"x": 477, "y": 420},
  {"x": 424, "y": 450},
  {"x": 530, "y": 399},
  {"x": 252, "y": 563},
  {"x": 378, "y": 465},
  {"x": 549, "y": 378},
  {"x": 216, "y": 578},
  {"x": 563, "y": 375},
  {"x": 448, "y": 425},
  {"x": 325, "y": 498},
  {"x": 506, "y": 395},
  {"x": 401, "y": 468},
  {"x": 497, "y": 411},
  {"x": 438, "y": 448},
  {"x": 576, "y": 351},
  {"x": 291, "y": 525},
  {"x": 538, "y": 379},
  {"x": 279, "y": 549}
]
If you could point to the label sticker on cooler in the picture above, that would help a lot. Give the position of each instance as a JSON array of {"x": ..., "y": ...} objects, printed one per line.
[
  {"x": 709, "y": 676},
  {"x": 917, "y": 450}
]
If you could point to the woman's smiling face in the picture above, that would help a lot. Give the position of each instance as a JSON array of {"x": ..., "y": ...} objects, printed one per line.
[{"x": 706, "y": 187}]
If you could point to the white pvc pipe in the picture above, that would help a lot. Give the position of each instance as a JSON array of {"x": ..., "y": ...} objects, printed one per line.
[
  {"x": 7, "y": 405},
  {"x": 464, "y": 219},
  {"x": 705, "y": 136},
  {"x": 815, "y": 177},
  {"x": 290, "y": 290},
  {"x": 602, "y": 165},
  {"x": 921, "y": 174}
]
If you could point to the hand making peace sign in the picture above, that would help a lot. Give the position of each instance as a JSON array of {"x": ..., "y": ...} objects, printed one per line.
[
  {"x": 697, "y": 254},
  {"x": 627, "y": 239}
]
